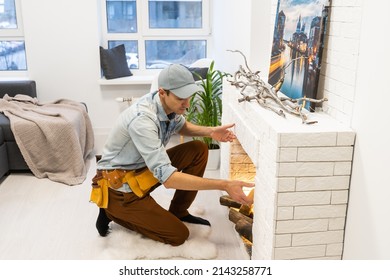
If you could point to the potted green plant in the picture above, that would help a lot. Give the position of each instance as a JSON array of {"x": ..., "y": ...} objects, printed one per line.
[{"x": 206, "y": 106}]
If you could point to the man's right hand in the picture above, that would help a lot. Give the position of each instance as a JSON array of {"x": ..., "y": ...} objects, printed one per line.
[{"x": 234, "y": 189}]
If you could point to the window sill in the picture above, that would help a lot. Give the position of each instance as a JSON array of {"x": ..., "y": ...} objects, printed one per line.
[
  {"x": 14, "y": 78},
  {"x": 132, "y": 80}
]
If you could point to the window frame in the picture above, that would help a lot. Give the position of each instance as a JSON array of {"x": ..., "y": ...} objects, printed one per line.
[
  {"x": 145, "y": 33},
  {"x": 15, "y": 34}
]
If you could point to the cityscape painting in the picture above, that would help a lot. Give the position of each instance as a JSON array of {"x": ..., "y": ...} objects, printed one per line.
[{"x": 297, "y": 47}]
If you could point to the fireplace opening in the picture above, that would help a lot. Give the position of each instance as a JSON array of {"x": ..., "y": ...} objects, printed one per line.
[{"x": 241, "y": 168}]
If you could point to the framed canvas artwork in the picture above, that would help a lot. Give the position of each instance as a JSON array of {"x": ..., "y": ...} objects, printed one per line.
[{"x": 297, "y": 47}]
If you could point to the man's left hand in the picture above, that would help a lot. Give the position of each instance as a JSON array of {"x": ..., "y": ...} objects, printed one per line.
[{"x": 223, "y": 134}]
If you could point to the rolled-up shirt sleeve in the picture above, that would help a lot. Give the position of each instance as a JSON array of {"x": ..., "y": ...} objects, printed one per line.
[{"x": 145, "y": 135}]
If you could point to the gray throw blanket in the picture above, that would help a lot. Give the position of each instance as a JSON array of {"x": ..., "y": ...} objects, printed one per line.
[{"x": 56, "y": 139}]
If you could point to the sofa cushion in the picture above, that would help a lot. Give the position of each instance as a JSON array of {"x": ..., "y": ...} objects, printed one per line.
[
  {"x": 6, "y": 128},
  {"x": 1, "y": 136},
  {"x": 3, "y": 155},
  {"x": 13, "y": 88},
  {"x": 10, "y": 156},
  {"x": 3, "y": 160},
  {"x": 114, "y": 63}
]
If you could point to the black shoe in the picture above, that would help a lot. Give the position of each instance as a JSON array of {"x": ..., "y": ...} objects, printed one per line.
[
  {"x": 102, "y": 223},
  {"x": 195, "y": 220}
]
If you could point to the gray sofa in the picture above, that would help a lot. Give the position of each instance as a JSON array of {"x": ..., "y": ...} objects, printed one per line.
[{"x": 10, "y": 157}]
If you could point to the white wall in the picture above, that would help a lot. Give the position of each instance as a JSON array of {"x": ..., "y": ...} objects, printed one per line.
[
  {"x": 62, "y": 39},
  {"x": 62, "y": 45},
  {"x": 368, "y": 226},
  {"x": 230, "y": 32}
]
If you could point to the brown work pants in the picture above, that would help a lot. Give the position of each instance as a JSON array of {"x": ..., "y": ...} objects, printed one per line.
[{"x": 146, "y": 216}]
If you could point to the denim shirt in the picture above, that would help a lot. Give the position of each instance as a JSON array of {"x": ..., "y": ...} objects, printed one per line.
[{"x": 139, "y": 136}]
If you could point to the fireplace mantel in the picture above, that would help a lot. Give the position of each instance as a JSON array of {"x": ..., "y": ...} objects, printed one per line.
[{"x": 302, "y": 179}]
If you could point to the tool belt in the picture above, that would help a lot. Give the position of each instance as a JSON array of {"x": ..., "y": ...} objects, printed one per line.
[{"x": 140, "y": 183}]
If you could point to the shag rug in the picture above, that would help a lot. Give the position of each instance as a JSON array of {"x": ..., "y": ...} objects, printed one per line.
[{"x": 122, "y": 243}]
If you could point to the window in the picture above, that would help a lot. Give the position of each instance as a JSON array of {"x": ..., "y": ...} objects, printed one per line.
[
  {"x": 157, "y": 33},
  {"x": 160, "y": 53},
  {"x": 12, "y": 48},
  {"x": 121, "y": 16},
  {"x": 175, "y": 14}
]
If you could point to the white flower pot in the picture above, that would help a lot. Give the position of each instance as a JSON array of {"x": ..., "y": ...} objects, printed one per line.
[{"x": 214, "y": 159}]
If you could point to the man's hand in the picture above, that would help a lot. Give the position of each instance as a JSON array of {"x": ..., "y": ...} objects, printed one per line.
[
  {"x": 234, "y": 189},
  {"x": 222, "y": 133}
]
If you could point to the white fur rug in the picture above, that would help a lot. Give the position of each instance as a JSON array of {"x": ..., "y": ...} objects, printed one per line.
[{"x": 122, "y": 243}]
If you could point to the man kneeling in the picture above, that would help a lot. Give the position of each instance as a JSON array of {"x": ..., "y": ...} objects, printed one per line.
[{"x": 135, "y": 161}]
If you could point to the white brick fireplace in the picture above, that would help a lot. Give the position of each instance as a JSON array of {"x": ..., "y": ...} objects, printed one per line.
[{"x": 302, "y": 179}]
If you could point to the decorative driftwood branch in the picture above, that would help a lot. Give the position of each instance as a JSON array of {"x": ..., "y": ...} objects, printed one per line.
[{"x": 266, "y": 95}]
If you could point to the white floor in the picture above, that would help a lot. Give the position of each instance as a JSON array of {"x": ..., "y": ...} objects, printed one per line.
[{"x": 44, "y": 220}]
